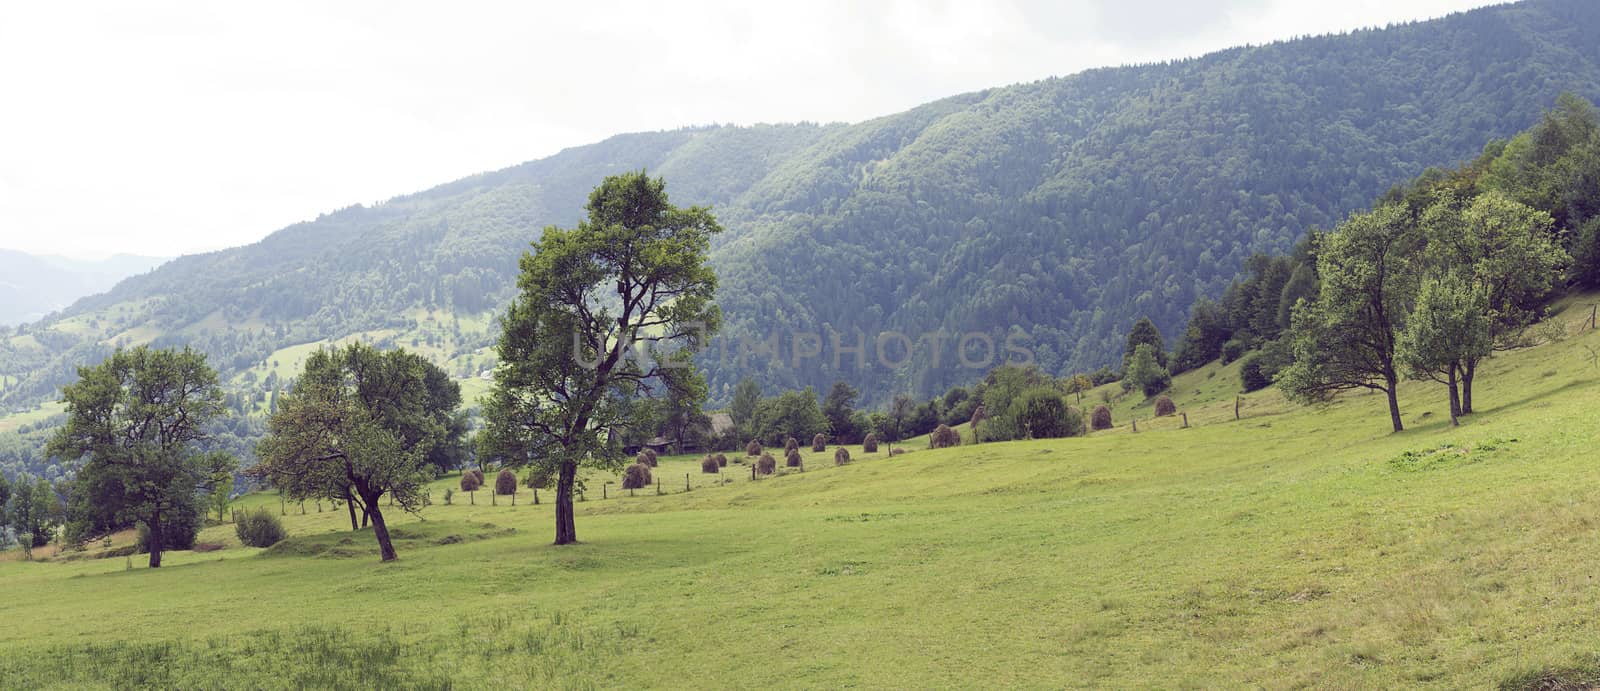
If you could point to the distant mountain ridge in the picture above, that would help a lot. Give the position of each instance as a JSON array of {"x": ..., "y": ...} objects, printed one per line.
[
  {"x": 1062, "y": 209},
  {"x": 32, "y": 286}
]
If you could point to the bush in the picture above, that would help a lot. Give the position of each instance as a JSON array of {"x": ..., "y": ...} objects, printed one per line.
[
  {"x": 1146, "y": 373},
  {"x": 870, "y": 444},
  {"x": 1253, "y": 374},
  {"x": 448, "y": 493},
  {"x": 637, "y": 476},
  {"x": 841, "y": 456},
  {"x": 819, "y": 443},
  {"x": 1165, "y": 407},
  {"x": 753, "y": 448},
  {"x": 943, "y": 438},
  {"x": 1044, "y": 414},
  {"x": 505, "y": 483},
  {"x": 709, "y": 465},
  {"x": 648, "y": 456},
  {"x": 790, "y": 444},
  {"x": 259, "y": 529},
  {"x": 1260, "y": 368},
  {"x": 792, "y": 459},
  {"x": 1234, "y": 349},
  {"x": 766, "y": 464},
  {"x": 1101, "y": 419},
  {"x": 722, "y": 461}
]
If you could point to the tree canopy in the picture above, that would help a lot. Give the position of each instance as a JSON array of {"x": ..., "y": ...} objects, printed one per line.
[
  {"x": 138, "y": 419},
  {"x": 607, "y": 313},
  {"x": 359, "y": 424}
]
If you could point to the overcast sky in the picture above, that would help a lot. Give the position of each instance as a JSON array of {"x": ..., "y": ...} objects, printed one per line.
[{"x": 167, "y": 128}]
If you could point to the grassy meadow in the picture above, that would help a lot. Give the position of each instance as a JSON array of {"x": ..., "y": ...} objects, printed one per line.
[{"x": 1297, "y": 547}]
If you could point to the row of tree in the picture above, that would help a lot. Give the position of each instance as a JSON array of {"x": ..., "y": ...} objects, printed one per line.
[{"x": 1439, "y": 275}]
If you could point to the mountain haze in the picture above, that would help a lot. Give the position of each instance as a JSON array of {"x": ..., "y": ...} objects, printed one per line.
[
  {"x": 32, "y": 286},
  {"x": 1064, "y": 209}
]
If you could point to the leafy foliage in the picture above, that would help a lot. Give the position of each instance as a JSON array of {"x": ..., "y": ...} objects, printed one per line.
[
  {"x": 608, "y": 313},
  {"x": 260, "y": 528},
  {"x": 358, "y": 425},
  {"x": 137, "y": 417}
]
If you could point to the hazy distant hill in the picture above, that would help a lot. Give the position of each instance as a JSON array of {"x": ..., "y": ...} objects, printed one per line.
[
  {"x": 32, "y": 286},
  {"x": 1065, "y": 208}
]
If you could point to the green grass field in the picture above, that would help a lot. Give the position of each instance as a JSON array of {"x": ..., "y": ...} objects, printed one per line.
[{"x": 1297, "y": 547}]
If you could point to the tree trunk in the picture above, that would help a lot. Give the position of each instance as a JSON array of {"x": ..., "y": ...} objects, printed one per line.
[
  {"x": 1455, "y": 399},
  {"x": 153, "y": 542},
  {"x": 380, "y": 530},
  {"x": 566, "y": 530},
  {"x": 1468, "y": 372},
  {"x": 351, "y": 505},
  {"x": 1394, "y": 404}
]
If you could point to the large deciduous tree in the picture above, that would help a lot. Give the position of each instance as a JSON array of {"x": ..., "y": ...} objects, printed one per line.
[
  {"x": 138, "y": 419},
  {"x": 358, "y": 424},
  {"x": 1345, "y": 339},
  {"x": 608, "y": 312},
  {"x": 1505, "y": 252},
  {"x": 1447, "y": 329}
]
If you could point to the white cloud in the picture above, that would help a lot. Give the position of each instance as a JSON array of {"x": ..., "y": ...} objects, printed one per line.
[{"x": 172, "y": 127}]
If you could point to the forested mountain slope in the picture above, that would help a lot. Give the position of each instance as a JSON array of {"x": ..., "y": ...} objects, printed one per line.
[{"x": 1065, "y": 208}]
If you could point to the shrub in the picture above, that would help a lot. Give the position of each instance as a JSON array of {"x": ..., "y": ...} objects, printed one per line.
[
  {"x": 722, "y": 461},
  {"x": 870, "y": 444},
  {"x": 1253, "y": 375},
  {"x": 1044, "y": 414},
  {"x": 649, "y": 457},
  {"x": 1165, "y": 407},
  {"x": 709, "y": 465},
  {"x": 943, "y": 438},
  {"x": 637, "y": 476},
  {"x": 766, "y": 464},
  {"x": 790, "y": 444},
  {"x": 259, "y": 529},
  {"x": 1234, "y": 349},
  {"x": 1101, "y": 419},
  {"x": 819, "y": 443},
  {"x": 1146, "y": 373},
  {"x": 841, "y": 456},
  {"x": 505, "y": 483},
  {"x": 753, "y": 448},
  {"x": 448, "y": 493}
]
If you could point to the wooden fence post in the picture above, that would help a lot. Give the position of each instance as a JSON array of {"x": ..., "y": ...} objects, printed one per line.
[
  {"x": 1135, "y": 424},
  {"x": 536, "y": 496},
  {"x": 686, "y": 486},
  {"x": 1185, "y": 420},
  {"x": 605, "y": 491},
  {"x": 1235, "y": 407},
  {"x": 752, "y": 471}
]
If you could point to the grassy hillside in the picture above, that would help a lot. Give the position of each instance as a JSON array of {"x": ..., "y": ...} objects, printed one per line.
[{"x": 1296, "y": 547}]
